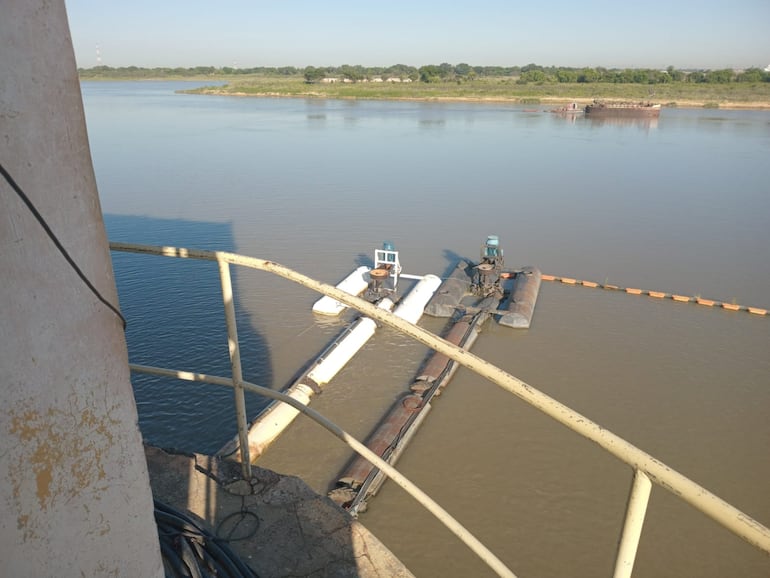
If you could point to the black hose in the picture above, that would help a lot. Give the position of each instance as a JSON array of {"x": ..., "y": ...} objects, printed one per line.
[{"x": 190, "y": 551}]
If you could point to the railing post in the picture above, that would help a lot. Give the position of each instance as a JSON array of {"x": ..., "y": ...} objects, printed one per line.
[
  {"x": 632, "y": 528},
  {"x": 235, "y": 362}
]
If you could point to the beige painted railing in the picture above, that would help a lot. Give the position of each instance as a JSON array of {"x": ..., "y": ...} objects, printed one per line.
[{"x": 645, "y": 467}]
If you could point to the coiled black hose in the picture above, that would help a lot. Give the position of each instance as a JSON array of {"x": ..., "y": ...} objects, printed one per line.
[{"x": 189, "y": 551}]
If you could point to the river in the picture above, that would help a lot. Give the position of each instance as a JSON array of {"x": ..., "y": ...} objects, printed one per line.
[{"x": 680, "y": 205}]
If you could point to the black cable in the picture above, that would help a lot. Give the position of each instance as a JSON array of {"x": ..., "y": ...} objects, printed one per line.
[
  {"x": 209, "y": 560},
  {"x": 189, "y": 550},
  {"x": 171, "y": 561},
  {"x": 58, "y": 244},
  {"x": 243, "y": 514}
]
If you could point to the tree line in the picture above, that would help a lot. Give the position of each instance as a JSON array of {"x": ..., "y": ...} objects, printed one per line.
[
  {"x": 444, "y": 72},
  {"x": 539, "y": 74}
]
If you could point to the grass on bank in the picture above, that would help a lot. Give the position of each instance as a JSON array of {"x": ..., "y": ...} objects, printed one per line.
[{"x": 754, "y": 95}]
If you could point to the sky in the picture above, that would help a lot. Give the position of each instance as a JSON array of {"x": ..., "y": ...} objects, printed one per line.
[{"x": 707, "y": 34}]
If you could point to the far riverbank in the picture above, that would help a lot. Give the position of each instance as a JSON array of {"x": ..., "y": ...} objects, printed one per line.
[
  {"x": 547, "y": 101},
  {"x": 675, "y": 95},
  {"x": 733, "y": 95}
]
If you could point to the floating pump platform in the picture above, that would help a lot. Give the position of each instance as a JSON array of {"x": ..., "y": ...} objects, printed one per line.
[
  {"x": 510, "y": 295},
  {"x": 469, "y": 296},
  {"x": 518, "y": 289}
]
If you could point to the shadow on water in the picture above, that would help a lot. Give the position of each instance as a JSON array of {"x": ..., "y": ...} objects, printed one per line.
[
  {"x": 176, "y": 320},
  {"x": 362, "y": 259},
  {"x": 452, "y": 260}
]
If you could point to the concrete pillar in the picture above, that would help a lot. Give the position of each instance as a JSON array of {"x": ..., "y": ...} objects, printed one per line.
[{"x": 74, "y": 491}]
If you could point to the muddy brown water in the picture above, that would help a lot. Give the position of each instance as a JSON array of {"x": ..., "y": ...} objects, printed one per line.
[{"x": 679, "y": 206}]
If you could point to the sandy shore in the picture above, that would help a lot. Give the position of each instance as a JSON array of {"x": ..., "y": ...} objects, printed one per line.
[{"x": 548, "y": 101}]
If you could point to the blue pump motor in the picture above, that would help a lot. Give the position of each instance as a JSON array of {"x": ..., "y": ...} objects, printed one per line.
[
  {"x": 491, "y": 246},
  {"x": 388, "y": 246}
]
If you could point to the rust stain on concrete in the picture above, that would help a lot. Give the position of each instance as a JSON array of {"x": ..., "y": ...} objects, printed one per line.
[{"x": 62, "y": 455}]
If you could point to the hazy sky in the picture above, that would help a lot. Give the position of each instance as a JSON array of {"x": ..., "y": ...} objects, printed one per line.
[{"x": 246, "y": 33}]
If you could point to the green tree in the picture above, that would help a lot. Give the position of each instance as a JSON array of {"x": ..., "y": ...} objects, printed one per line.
[
  {"x": 399, "y": 70},
  {"x": 202, "y": 70},
  {"x": 463, "y": 70},
  {"x": 354, "y": 73},
  {"x": 722, "y": 76},
  {"x": 751, "y": 75},
  {"x": 447, "y": 71},
  {"x": 566, "y": 75},
  {"x": 532, "y": 76},
  {"x": 313, "y": 74},
  {"x": 530, "y": 66},
  {"x": 430, "y": 73},
  {"x": 676, "y": 75},
  {"x": 588, "y": 75}
]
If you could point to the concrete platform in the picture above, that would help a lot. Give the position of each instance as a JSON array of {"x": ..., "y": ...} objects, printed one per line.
[{"x": 287, "y": 529}]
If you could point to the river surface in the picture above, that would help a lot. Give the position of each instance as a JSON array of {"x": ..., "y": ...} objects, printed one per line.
[{"x": 680, "y": 205}]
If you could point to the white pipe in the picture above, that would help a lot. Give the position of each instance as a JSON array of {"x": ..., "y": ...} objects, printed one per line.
[
  {"x": 278, "y": 416},
  {"x": 353, "y": 284},
  {"x": 347, "y": 348},
  {"x": 410, "y": 309},
  {"x": 412, "y": 306},
  {"x": 269, "y": 425}
]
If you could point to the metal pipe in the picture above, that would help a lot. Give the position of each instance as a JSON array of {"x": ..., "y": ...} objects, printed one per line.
[
  {"x": 270, "y": 424},
  {"x": 697, "y": 496},
  {"x": 422, "y": 498},
  {"x": 235, "y": 362},
  {"x": 632, "y": 528}
]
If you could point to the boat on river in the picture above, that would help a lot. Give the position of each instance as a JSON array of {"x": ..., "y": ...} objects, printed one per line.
[
  {"x": 625, "y": 109},
  {"x": 571, "y": 108}
]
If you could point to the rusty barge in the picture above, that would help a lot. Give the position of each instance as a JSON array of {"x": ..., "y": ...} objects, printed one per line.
[{"x": 622, "y": 109}]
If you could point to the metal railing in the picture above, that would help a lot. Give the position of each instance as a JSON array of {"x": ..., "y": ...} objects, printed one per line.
[{"x": 646, "y": 468}]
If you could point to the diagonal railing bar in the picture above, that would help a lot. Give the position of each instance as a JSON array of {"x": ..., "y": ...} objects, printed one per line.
[{"x": 719, "y": 510}]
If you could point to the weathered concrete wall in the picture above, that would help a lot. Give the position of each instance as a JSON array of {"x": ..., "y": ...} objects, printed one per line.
[{"x": 74, "y": 491}]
